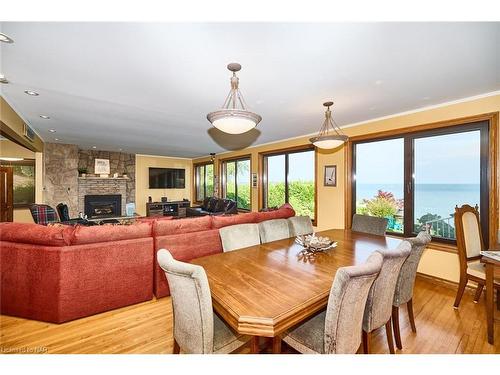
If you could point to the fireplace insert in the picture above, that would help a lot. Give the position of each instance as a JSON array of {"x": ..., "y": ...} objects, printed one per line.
[{"x": 102, "y": 206}]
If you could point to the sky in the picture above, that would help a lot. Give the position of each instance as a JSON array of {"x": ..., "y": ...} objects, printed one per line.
[
  {"x": 446, "y": 159},
  {"x": 301, "y": 167}
]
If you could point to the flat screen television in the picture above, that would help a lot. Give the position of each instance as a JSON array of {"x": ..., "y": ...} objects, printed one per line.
[{"x": 167, "y": 178}]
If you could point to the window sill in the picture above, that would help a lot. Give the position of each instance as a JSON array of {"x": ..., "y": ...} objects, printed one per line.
[{"x": 434, "y": 245}]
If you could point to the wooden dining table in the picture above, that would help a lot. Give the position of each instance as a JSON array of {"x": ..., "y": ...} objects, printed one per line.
[
  {"x": 266, "y": 289},
  {"x": 491, "y": 265}
]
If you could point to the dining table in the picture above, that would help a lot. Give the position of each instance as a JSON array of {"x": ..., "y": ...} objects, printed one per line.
[
  {"x": 265, "y": 290},
  {"x": 492, "y": 272}
]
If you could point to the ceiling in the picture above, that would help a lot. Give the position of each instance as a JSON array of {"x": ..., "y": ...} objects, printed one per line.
[{"x": 147, "y": 87}]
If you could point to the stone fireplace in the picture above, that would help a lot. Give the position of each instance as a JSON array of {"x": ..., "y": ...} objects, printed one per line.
[{"x": 102, "y": 206}]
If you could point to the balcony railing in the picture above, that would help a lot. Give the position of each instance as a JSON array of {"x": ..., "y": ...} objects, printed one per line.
[{"x": 443, "y": 227}]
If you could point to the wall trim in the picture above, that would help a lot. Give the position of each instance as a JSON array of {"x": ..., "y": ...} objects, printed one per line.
[{"x": 164, "y": 157}]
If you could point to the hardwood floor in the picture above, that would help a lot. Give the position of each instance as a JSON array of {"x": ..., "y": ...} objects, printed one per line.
[{"x": 147, "y": 328}]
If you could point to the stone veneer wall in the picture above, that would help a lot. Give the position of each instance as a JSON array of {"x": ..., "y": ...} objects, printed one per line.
[
  {"x": 119, "y": 162},
  {"x": 101, "y": 186},
  {"x": 61, "y": 176}
]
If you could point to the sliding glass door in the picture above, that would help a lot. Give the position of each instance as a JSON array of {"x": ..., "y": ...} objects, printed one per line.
[{"x": 236, "y": 181}]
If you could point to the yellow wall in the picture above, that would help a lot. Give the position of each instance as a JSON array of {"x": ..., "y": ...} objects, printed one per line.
[
  {"x": 142, "y": 191},
  {"x": 331, "y": 199}
]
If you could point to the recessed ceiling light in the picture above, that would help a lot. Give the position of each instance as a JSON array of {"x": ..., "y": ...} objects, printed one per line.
[
  {"x": 6, "y": 39},
  {"x": 120, "y": 149},
  {"x": 30, "y": 92},
  {"x": 11, "y": 159},
  {"x": 94, "y": 147},
  {"x": 56, "y": 139},
  {"x": 3, "y": 79},
  {"x": 45, "y": 117},
  {"x": 52, "y": 130}
]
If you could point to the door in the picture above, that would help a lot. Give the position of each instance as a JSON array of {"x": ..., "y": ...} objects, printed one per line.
[{"x": 6, "y": 194}]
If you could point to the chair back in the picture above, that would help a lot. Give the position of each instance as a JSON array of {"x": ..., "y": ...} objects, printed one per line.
[
  {"x": 238, "y": 236},
  {"x": 191, "y": 303},
  {"x": 274, "y": 230},
  {"x": 369, "y": 224},
  {"x": 468, "y": 233},
  {"x": 63, "y": 211},
  {"x": 378, "y": 307},
  {"x": 43, "y": 214},
  {"x": 346, "y": 305},
  {"x": 406, "y": 278},
  {"x": 300, "y": 225}
]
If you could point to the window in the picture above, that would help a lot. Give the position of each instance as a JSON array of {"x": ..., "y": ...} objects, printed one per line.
[
  {"x": 236, "y": 181},
  {"x": 204, "y": 181},
  {"x": 24, "y": 182},
  {"x": 417, "y": 179},
  {"x": 289, "y": 177}
]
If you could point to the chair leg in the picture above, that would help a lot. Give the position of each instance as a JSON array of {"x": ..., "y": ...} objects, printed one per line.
[
  {"x": 479, "y": 290},
  {"x": 177, "y": 348},
  {"x": 277, "y": 345},
  {"x": 388, "y": 332},
  {"x": 366, "y": 342},
  {"x": 255, "y": 345},
  {"x": 460, "y": 291},
  {"x": 409, "y": 307},
  {"x": 395, "y": 325}
]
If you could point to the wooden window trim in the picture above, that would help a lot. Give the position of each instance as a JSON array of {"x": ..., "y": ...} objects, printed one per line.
[
  {"x": 194, "y": 184},
  {"x": 288, "y": 150},
  {"x": 492, "y": 177},
  {"x": 25, "y": 162},
  {"x": 222, "y": 177}
]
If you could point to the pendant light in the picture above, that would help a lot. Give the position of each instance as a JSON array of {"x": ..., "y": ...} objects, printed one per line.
[
  {"x": 327, "y": 138},
  {"x": 234, "y": 118}
]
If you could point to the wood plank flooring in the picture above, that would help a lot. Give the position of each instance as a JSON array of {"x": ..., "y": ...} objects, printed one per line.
[{"x": 147, "y": 328}]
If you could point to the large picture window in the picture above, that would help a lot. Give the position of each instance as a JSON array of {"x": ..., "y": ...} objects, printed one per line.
[
  {"x": 290, "y": 177},
  {"x": 235, "y": 181},
  {"x": 415, "y": 180},
  {"x": 204, "y": 181}
]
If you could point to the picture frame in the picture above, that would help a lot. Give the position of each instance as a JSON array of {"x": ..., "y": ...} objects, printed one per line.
[
  {"x": 101, "y": 166},
  {"x": 330, "y": 175}
]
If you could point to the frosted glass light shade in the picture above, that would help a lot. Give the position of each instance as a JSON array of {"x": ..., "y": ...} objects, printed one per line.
[
  {"x": 328, "y": 141},
  {"x": 234, "y": 121}
]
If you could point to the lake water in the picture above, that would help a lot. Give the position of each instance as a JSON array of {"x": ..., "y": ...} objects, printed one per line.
[{"x": 438, "y": 199}]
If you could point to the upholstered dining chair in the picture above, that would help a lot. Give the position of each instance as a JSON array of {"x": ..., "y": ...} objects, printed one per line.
[
  {"x": 300, "y": 225},
  {"x": 337, "y": 330},
  {"x": 274, "y": 230},
  {"x": 378, "y": 309},
  {"x": 369, "y": 224},
  {"x": 238, "y": 236},
  {"x": 470, "y": 244},
  {"x": 197, "y": 329},
  {"x": 406, "y": 281}
]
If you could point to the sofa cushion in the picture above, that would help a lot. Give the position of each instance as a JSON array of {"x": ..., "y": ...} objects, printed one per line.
[
  {"x": 167, "y": 227},
  {"x": 223, "y": 221},
  {"x": 54, "y": 235},
  {"x": 284, "y": 212},
  {"x": 107, "y": 233}
]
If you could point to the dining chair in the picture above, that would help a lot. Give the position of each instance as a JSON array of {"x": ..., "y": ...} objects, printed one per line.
[
  {"x": 197, "y": 329},
  {"x": 378, "y": 309},
  {"x": 238, "y": 236},
  {"x": 406, "y": 281},
  {"x": 369, "y": 224},
  {"x": 300, "y": 225},
  {"x": 470, "y": 244},
  {"x": 274, "y": 230},
  {"x": 337, "y": 330}
]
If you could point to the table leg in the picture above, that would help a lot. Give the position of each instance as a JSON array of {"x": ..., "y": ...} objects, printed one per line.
[{"x": 489, "y": 302}]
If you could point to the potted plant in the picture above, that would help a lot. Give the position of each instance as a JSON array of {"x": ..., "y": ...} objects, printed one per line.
[{"x": 82, "y": 172}]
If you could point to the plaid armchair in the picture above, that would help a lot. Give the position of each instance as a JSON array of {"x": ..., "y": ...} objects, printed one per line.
[{"x": 43, "y": 214}]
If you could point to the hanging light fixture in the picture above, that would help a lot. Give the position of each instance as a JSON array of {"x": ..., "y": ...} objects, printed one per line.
[
  {"x": 327, "y": 138},
  {"x": 234, "y": 118}
]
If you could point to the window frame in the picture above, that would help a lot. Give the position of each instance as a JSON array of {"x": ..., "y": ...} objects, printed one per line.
[
  {"x": 223, "y": 178},
  {"x": 24, "y": 162},
  {"x": 287, "y": 151},
  {"x": 488, "y": 170},
  {"x": 196, "y": 180}
]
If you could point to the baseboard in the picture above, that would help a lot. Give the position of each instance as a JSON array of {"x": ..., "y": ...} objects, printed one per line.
[{"x": 443, "y": 282}]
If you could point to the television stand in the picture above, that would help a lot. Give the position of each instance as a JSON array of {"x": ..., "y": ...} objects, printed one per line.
[{"x": 172, "y": 208}]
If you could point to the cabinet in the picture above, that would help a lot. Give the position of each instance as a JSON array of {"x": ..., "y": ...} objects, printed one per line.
[{"x": 174, "y": 208}]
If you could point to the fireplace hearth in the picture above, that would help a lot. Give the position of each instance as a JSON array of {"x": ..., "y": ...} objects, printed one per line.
[{"x": 103, "y": 206}]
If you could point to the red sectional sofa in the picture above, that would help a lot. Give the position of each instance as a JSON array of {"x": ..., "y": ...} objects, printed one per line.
[{"x": 61, "y": 273}]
